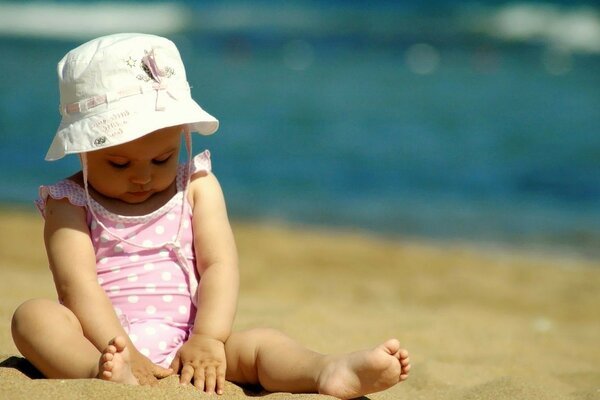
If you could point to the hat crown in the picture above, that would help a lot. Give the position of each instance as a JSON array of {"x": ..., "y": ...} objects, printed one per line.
[
  {"x": 116, "y": 62},
  {"x": 117, "y": 88}
]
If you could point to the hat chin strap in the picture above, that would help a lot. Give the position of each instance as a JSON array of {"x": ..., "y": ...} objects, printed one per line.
[{"x": 174, "y": 244}]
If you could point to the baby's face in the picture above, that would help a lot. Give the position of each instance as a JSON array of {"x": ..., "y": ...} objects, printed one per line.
[{"x": 134, "y": 171}]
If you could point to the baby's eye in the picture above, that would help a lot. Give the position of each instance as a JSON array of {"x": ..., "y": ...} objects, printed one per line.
[
  {"x": 119, "y": 165},
  {"x": 161, "y": 160}
]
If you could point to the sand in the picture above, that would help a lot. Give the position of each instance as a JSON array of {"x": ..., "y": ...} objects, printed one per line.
[{"x": 480, "y": 323}]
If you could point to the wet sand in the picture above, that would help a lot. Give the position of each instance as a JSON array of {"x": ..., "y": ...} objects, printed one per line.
[{"x": 480, "y": 323}]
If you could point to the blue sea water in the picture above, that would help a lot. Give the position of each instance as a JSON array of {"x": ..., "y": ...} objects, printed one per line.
[{"x": 404, "y": 120}]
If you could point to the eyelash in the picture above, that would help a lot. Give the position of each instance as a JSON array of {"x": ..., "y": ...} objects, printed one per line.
[
  {"x": 118, "y": 166},
  {"x": 123, "y": 166},
  {"x": 159, "y": 162}
]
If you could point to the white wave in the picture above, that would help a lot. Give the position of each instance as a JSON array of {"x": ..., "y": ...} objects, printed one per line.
[
  {"x": 563, "y": 28},
  {"x": 80, "y": 21},
  {"x": 574, "y": 29}
]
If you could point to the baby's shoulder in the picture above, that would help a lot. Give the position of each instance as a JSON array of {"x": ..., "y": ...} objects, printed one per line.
[
  {"x": 205, "y": 190},
  {"x": 69, "y": 189}
]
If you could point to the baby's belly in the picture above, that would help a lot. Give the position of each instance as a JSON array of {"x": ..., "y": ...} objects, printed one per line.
[{"x": 152, "y": 291}]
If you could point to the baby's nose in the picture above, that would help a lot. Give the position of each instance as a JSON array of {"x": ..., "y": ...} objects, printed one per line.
[
  {"x": 138, "y": 180},
  {"x": 141, "y": 176}
]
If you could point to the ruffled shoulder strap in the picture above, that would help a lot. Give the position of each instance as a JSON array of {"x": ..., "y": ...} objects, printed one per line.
[
  {"x": 60, "y": 190},
  {"x": 201, "y": 162}
]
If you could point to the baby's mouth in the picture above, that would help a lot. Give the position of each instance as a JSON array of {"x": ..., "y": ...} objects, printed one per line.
[{"x": 140, "y": 193}]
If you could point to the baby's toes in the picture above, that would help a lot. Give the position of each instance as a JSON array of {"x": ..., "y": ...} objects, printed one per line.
[
  {"x": 404, "y": 372},
  {"x": 106, "y": 357},
  {"x": 106, "y": 374},
  {"x": 108, "y": 366}
]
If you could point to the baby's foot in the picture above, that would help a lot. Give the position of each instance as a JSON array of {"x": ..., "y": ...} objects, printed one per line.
[
  {"x": 114, "y": 364},
  {"x": 356, "y": 374}
]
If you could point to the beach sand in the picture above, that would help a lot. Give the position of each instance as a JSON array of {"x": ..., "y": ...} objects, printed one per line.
[{"x": 480, "y": 323}]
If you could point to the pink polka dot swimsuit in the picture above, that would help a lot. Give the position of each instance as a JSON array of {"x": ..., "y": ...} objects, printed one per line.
[{"x": 150, "y": 276}]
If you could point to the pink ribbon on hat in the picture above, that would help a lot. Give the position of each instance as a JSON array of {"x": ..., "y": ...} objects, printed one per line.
[{"x": 150, "y": 61}]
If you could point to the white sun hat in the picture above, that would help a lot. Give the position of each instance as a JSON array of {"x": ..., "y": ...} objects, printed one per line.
[{"x": 118, "y": 88}]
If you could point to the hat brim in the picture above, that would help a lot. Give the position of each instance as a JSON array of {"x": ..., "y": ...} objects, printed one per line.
[{"x": 128, "y": 120}]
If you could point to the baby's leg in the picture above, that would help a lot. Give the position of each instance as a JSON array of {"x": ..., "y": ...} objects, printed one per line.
[
  {"x": 277, "y": 363},
  {"x": 50, "y": 336}
]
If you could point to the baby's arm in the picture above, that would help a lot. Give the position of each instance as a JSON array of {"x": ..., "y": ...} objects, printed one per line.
[
  {"x": 216, "y": 260},
  {"x": 203, "y": 356},
  {"x": 73, "y": 264}
]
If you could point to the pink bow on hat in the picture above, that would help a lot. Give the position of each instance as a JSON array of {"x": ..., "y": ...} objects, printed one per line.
[{"x": 157, "y": 75}]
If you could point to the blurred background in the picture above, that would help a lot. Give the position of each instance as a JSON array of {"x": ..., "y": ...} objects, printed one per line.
[{"x": 459, "y": 120}]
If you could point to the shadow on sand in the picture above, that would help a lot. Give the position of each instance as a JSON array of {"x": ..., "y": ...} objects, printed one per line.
[
  {"x": 23, "y": 366},
  {"x": 257, "y": 391}
]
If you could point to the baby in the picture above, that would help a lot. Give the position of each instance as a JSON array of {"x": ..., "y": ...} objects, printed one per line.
[{"x": 141, "y": 250}]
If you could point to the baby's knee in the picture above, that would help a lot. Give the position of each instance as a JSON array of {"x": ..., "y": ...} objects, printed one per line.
[
  {"x": 27, "y": 311},
  {"x": 34, "y": 312}
]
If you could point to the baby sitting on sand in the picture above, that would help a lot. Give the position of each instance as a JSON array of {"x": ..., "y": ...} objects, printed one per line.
[{"x": 141, "y": 250}]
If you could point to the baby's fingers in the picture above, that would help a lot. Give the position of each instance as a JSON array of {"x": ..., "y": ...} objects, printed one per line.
[
  {"x": 160, "y": 372},
  {"x": 221, "y": 379},
  {"x": 214, "y": 379},
  {"x": 187, "y": 373},
  {"x": 147, "y": 380},
  {"x": 199, "y": 379},
  {"x": 210, "y": 379},
  {"x": 176, "y": 363}
]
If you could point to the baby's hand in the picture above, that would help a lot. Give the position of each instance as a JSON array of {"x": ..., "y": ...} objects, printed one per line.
[
  {"x": 146, "y": 372},
  {"x": 203, "y": 359}
]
